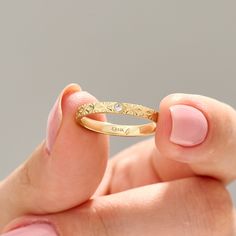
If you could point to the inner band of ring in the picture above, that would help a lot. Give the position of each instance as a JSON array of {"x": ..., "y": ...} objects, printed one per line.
[{"x": 117, "y": 108}]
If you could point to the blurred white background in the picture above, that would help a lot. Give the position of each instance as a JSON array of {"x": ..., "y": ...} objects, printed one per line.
[{"x": 136, "y": 51}]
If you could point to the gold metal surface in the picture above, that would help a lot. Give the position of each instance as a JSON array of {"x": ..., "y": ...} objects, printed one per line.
[{"x": 117, "y": 108}]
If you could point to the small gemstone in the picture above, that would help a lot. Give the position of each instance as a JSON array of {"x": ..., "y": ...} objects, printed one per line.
[{"x": 118, "y": 107}]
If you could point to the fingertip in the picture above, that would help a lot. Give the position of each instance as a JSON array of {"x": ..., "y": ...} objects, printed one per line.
[
  {"x": 55, "y": 116},
  {"x": 70, "y": 102},
  {"x": 78, "y": 133},
  {"x": 183, "y": 127}
]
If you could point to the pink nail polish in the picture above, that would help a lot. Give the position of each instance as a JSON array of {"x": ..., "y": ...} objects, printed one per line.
[
  {"x": 189, "y": 125},
  {"x": 55, "y": 116},
  {"x": 53, "y": 125},
  {"x": 39, "y": 229}
]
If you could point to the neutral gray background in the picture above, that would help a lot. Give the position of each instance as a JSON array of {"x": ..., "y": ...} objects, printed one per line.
[{"x": 137, "y": 51}]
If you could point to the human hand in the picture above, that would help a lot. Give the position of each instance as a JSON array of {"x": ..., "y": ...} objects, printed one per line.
[{"x": 153, "y": 187}]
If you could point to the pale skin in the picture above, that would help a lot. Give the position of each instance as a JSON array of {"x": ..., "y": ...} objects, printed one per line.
[{"x": 154, "y": 187}]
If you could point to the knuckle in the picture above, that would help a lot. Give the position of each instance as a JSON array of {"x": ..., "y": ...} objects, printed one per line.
[
  {"x": 91, "y": 220},
  {"x": 100, "y": 222},
  {"x": 103, "y": 214}
]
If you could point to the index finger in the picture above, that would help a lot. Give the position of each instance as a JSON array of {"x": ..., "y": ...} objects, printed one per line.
[{"x": 64, "y": 171}]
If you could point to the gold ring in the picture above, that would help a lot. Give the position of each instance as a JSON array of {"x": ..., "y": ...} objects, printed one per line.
[{"x": 117, "y": 108}]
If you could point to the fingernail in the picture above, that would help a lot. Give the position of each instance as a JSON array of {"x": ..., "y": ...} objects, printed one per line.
[
  {"x": 41, "y": 229},
  {"x": 189, "y": 125},
  {"x": 55, "y": 116}
]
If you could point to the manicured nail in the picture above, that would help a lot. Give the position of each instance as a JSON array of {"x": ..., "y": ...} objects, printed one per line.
[
  {"x": 189, "y": 125},
  {"x": 41, "y": 229},
  {"x": 55, "y": 116}
]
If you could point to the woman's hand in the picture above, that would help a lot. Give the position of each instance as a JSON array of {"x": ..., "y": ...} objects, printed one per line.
[{"x": 173, "y": 184}]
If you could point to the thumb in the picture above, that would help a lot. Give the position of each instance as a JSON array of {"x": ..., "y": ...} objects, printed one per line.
[
  {"x": 199, "y": 131},
  {"x": 65, "y": 170}
]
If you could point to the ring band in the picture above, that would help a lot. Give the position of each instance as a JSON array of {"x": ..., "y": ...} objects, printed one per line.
[{"x": 117, "y": 108}]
